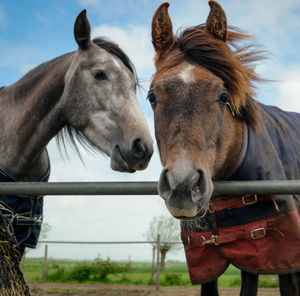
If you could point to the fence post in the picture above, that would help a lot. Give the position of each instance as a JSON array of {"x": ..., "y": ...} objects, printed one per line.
[
  {"x": 153, "y": 265},
  {"x": 45, "y": 263},
  {"x": 158, "y": 263}
]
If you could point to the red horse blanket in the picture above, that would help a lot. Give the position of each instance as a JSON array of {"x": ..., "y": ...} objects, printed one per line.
[{"x": 258, "y": 234}]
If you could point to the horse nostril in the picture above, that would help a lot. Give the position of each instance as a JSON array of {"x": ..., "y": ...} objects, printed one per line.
[
  {"x": 199, "y": 186},
  {"x": 164, "y": 187},
  {"x": 139, "y": 149}
]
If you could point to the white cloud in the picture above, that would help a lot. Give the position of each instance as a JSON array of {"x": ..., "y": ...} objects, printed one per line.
[
  {"x": 268, "y": 13},
  {"x": 135, "y": 41},
  {"x": 289, "y": 91},
  {"x": 22, "y": 57},
  {"x": 272, "y": 22}
]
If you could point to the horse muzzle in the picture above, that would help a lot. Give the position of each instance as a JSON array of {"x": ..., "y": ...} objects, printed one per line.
[
  {"x": 186, "y": 191},
  {"x": 131, "y": 159}
]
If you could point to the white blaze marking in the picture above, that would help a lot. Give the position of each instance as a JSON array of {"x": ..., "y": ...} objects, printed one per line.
[{"x": 187, "y": 74}]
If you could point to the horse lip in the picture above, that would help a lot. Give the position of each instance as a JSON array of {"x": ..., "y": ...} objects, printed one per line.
[
  {"x": 118, "y": 163},
  {"x": 199, "y": 216}
]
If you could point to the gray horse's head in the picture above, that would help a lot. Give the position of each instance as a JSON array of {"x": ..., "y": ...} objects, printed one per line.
[{"x": 101, "y": 104}]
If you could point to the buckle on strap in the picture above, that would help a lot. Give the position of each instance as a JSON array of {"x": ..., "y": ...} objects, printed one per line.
[
  {"x": 248, "y": 200},
  {"x": 23, "y": 220},
  {"x": 212, "y": 240},
  {"x": 258, "y": 233},
  {"x": 233, "y": 236}
]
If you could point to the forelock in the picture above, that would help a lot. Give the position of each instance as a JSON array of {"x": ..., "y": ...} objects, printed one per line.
[{"x": 115, "y": 50}]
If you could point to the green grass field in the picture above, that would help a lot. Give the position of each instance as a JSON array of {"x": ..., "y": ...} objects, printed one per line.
[{"x": 137, "y": 274}]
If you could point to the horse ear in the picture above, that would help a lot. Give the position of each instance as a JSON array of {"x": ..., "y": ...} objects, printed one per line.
[
  {"x": 162, "y": 29},
  {"x": 216, "y": 23},
  {"x": 82, "y": 30}
]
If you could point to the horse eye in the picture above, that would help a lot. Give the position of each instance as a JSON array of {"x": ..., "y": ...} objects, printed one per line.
[
  {"x": 224, "y": 97},
  {"x": 99, "y": 75},
  {"x": 152, "y": 98}
]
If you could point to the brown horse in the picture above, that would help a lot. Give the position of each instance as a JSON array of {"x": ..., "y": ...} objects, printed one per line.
[{"x": 205, "y": 115}]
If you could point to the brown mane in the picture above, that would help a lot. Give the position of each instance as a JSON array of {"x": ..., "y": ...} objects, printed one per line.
[{"x": 233, "y": 62}]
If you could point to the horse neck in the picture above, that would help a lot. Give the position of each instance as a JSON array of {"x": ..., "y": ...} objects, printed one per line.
[
  {"x": 30, "y": 115},
  {"x": 230, "y": 147}
]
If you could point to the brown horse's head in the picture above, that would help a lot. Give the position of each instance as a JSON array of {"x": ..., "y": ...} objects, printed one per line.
[{"x": 200, "y": 94}]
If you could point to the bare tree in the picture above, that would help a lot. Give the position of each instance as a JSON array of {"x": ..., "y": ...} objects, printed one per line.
[{"x": 169, "y": 230}]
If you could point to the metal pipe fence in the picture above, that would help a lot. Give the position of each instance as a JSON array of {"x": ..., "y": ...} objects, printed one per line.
[
  {"x": 143, "y": 188},
  {"x": 105, "y": 242},
  {"x": 221, "y": 188}
]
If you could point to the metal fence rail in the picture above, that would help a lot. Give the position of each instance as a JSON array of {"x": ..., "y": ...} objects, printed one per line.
[
  {"x": 144, "y": 188},
  {"x": 138, "y": 188},
  {"x": 107, "y": 242}
]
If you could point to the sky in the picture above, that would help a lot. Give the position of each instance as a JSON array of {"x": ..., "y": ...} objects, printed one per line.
[{"x": 35, "y": 31}]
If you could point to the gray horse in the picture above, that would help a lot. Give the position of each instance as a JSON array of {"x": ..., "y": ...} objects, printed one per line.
[{"x": 90, "y": 95}]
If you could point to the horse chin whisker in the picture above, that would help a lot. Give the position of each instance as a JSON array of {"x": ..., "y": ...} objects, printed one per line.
[{"x": 195, "y": 218}]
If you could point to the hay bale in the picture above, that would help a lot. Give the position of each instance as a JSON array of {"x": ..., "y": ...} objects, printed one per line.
[{"x": 12, "y": 282}]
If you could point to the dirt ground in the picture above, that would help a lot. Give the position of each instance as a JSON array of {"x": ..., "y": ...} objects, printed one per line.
[{"x": 124, "y": 290}]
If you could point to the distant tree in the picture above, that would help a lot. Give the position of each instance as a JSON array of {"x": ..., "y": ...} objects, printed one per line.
[
  {"x": 169, "y": 230},
  {"x": 46, "y": 228}
]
